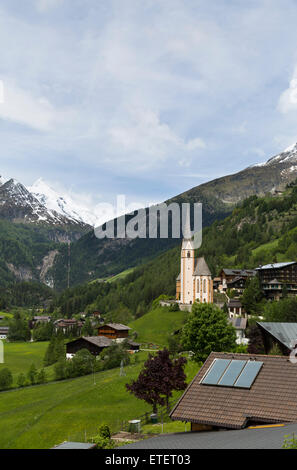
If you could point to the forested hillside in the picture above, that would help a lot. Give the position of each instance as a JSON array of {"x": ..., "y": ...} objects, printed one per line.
[{"x": 259, "y": 231}]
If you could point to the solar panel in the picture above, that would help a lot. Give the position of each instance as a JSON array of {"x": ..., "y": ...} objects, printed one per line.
[
  {"x": 216, "y": 371},
  {"x": 249, "y": 374},
  {"x": 231, "y": 374}
]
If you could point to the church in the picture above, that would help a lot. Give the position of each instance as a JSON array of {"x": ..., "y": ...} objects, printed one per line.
[{"x": 194, "y": 283}]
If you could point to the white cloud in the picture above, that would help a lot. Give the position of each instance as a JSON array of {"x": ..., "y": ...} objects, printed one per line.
[
  {"x": 45, "y": 5},
  {"x": 288, "y": 99},
  {"x": 20, "y": 106}
]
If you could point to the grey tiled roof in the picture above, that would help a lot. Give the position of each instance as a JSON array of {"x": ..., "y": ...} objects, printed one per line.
[
  {"x": 100, "y": 341},
  {"x": 117, "y": 326},
  {"x": 261, "y": 438},
  {"x": 201, "y": 268},
  {"x": 285, "y": 333}
]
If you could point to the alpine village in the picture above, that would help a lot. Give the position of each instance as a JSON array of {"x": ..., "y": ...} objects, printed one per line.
[{"x": 108, "y": 344}]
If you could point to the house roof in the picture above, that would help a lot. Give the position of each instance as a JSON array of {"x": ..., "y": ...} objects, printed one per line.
[
  {"x": 239, "y": 272},
  {"x": 117, "y": 326},
  {"x": 260, "y": 438},
  {"x": 201, "y": 268},
  {"x": 238, "y": 323},
  {"x": 4, "y": 329},
  {"x": 100, "y": 341},
  {"x": 272, "y": 397},
  {"x": 275, "y": 265},
  {"x": 234, "y": 303},
  {"x": 285, "y": 333},
  {"x": 75, "y": 445}
]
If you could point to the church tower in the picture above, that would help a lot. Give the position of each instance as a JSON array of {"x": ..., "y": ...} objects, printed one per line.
[{"x": 187, "y": 288}]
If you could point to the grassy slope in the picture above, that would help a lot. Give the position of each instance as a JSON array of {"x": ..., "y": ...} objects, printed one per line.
[
  {"x": 45, "y": 415},
  {"x": 18, "y": 357},
  {"x": 157, "y": 325}
]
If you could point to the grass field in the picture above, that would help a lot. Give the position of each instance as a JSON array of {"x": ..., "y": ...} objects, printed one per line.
[
  {"x": 45, "y": 415},
  {"x": 18, "y": 357},
  {"x": 156, "y": 326}
]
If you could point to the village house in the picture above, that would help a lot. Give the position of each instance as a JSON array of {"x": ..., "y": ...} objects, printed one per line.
[
  {"x": 235, "y": 308},
  {"x": 4, "y": 330},
  {"x": 115, "y": 331},
  {"x": 94, "y": 344},
  {"x": 276, "y": 277},
  {"x": 234, "y": 391},
  {"x": 69, "y": 325},
  {"x": 39, "y": 319},
  {"x": 234, "y": 279},
  {"x": 240, "y": 325}
]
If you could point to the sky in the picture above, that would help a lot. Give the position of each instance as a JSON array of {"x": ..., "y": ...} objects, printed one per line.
[{"x": 144, "y": 98}]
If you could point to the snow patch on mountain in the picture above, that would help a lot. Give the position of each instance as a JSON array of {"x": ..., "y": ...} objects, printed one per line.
[
  {"x": 288, "y": 155},
  {"x": 64, "y": 204}
]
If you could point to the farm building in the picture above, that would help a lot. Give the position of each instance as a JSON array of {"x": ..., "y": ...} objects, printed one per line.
[
  {"x": 234, "y": 391},
  {"x": 114, "y": 331},
  {"x": 39, "y": 319},
  {"x": 94, "y": 344}
]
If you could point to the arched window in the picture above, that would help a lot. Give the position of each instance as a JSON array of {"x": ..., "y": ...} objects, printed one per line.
[
  {"x": 188, "y": 254},
  {"x": 204, "y": 286},
  {"x": 198, "y": 286}
]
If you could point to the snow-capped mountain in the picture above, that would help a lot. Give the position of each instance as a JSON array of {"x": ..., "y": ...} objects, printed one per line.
[
  {"x": 288, "y": 155},
  {"x": 18, "y": 204},
  {"x": 63, "y": 204}
]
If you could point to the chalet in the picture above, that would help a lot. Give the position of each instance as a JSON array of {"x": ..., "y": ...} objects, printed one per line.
[
  {"x": 39, "y": 319},
  {"x": 235, "y": 308},
  {"x": 284, "y": 335},
  {"x": 4, "y": 330},
  {"x": 240, "y": 326},
  {"x": 115, "y": 331},
  {"x": 94, "y": 344},
  {"x": 235, "y": 278},
  {"x": 69, "y": 325},
  {"x": 274, "y": 278},
  {"x": 234, "y": 391}
]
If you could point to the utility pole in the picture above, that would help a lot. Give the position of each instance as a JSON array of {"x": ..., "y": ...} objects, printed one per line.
[{"x": 69, "y": 254}]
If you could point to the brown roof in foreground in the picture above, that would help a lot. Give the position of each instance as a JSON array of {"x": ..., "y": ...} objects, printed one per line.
[{"x": 271, "y": 399}]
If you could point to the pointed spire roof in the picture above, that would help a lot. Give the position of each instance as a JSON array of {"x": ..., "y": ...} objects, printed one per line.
[{"x": 201, "y": 268}]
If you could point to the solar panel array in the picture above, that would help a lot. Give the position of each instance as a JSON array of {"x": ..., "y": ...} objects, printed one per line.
[{"x": 232, "y": 373}]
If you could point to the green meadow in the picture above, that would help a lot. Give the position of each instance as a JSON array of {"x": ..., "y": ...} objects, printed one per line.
[
  {"x": 42, "y": 416},
  {"x": 18, "y": 357},
  {"x": 156, "y": 326}
]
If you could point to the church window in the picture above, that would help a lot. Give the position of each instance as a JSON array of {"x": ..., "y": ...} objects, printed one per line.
[
  {"x": 204, "y": 286},
  {"x": 188, "y": 254},
  {"x": 198, "y": 287}
]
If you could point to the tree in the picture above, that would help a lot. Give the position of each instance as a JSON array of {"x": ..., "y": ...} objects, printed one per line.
[
  {"x": 283, "y": 311},
  {"x": 252, "y": 296},
  {"x": 41, "y": 376},
  {"x": 207, "y": 330},
  {"x": 19, "y": 329},
  {"x": 32, "y": 374},
  {"x": 5, "y": 379},
  {"x": 114, "y": 355},
  {"x": 21, "y": 380},
  {"x": 158, "y": 378},
  {"x": 256, "y": 345}
]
